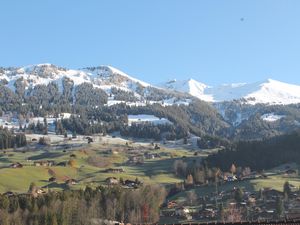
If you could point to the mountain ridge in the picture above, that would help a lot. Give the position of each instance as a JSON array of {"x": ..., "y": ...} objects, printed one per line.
[{"x": 105, "y": 77}]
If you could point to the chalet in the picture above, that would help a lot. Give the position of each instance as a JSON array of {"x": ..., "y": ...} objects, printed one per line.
[
  {"x": 151, "y": 155},
  {"x": 132, "y": 184},
  {"x": 182, "y": 211},
  {"x": 89, "y": 139},
  {"x": 71, "y": 182},
  {"x": 115, "y": 170},
  {"x": 112, "y": 181},
  {"x": 156, "y": 147},
  {"x": 230, "y": 178},
  {"x": 62, "y": 164},
  {"x": 290, "y": 172},
  {"x": 207, "y": 213},
  {"x": 136, "y": 159},
  {"x": 44, "y": 163},
  {"x": 16, "y": 165},
  {"x": 172, "y": 204},
  {"x": 9, "y": 194},
  {"x": 52, "y": 179},
  {"x": 270, "y": 193},
  {"x": 35, "y": 192}
]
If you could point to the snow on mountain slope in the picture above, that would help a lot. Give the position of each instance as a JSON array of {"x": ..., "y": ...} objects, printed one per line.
[
  {"x": 190, "y": 86},
  {"x": 271, "y": 117},
  {"x": 267, "y": 92},
  {"x": 104, "y": 77}
]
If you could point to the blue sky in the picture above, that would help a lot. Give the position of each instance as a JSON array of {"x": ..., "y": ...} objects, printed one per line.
[{"x": 212, "y": 41}]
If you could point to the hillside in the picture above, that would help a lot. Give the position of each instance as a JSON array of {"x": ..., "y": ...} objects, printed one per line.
[{"x": 106, "y": 94}]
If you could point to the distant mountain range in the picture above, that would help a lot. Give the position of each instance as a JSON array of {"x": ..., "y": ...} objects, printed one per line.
[
  {"x": 270, "y": 91},
  {"x": 266, "y": 92},
  {"x": 260, "y": 109}
]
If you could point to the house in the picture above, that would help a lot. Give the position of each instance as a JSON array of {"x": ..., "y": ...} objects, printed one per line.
[
  {"x": 112, "y": 181},
  {"x": 270, "y": 193},
  {"x": 115, "y": 170},
  {"x": 90, "y": 140},
  {"x": 151, "y": 155},
  {"x": 207, "y": 213},
  {"x": 136, "y": 159},
  {"x": 73, "y": 156},
  {"x": 132, "y": 184},
  {"x": 71, "y": 182},
  {"x": 290, "y": 172},
  {"x": 16, "y": 165},
  {"x": 230, "y": 178},
  {"x": 172, "y": 204},
  {"x": 36, "y": 191},
  {"x": 62, "y": 164},
  {"x": 9, "y": 194},
  {"x": 44, "y": 163},
  {"x": 52, "y": 179},
  {"x": 182, "y": 211}
]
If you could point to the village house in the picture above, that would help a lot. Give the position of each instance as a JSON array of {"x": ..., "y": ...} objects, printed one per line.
[
  {"x": 9, "y": 194},
  {"x": 183, "y": 212},
  {"x": 290, "y": 172},
  {"x": 229, "y": 177},
  {"x": 112, "y": 181},
  {"x": 136, "y": 159},
  {"x": 151, "y": 155},
  {"x": 115, "y": 170},
  {"x": 172, "y": 204},
  {"x": 44, "y": 163},
  {"x": 132, "y": 184},
  {"x": 16, "y": 165},
  {"x": 61, "y": 164},
  {"x": 35, "y": 192},
  {"x": 52, "y": 179},
  {"x": 71, "y": 182},
  {"x": 207, "y": 213}
]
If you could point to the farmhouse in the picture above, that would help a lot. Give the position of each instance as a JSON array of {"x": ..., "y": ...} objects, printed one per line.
[
  {"x": 172, "y": 204},
  {"x": 71, "y": 182},
  {"x": 182, "y": 212},
  {"x": 132, "y": 184},
  {"x": 136, "y": 159},
  {"x": 16, "y": 165},
  {"x": 44, "y": 163},
  {"x": 52, "y": 179},
  {"x": 151, "y": 155},
  {"x": 112, "y": 180},
  {"x": 115, "y": 170}
]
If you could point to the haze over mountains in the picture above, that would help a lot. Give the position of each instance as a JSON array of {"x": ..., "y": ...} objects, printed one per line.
[{"x": 269, "y": 91}]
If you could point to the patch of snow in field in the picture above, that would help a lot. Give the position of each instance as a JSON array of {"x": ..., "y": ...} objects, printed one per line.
[
  {"x": 142, "y": 118},
  {"x": 271, "y": 117}
]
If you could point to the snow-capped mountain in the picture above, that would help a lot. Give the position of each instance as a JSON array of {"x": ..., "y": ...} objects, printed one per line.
[
  {"x": 270, "y": 91},
  {"x": 104, "y": 77},
  {"x": 190, "y": 86},
  {"x": 267, "y": 92}
]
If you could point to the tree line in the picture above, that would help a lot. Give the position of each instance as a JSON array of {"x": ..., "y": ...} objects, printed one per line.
[
  {"x": 8, "y": 139},
  {"x": 80, "y": 207},
  {"x": 259, "y": 155}
]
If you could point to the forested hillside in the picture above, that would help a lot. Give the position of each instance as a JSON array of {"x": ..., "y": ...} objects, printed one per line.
[{"x": 259, "y": 155}]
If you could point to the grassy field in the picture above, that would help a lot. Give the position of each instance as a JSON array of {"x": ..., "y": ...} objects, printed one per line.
[
  {"x": 275, "y": 182},
  {"x": 90, "y": 163}
]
